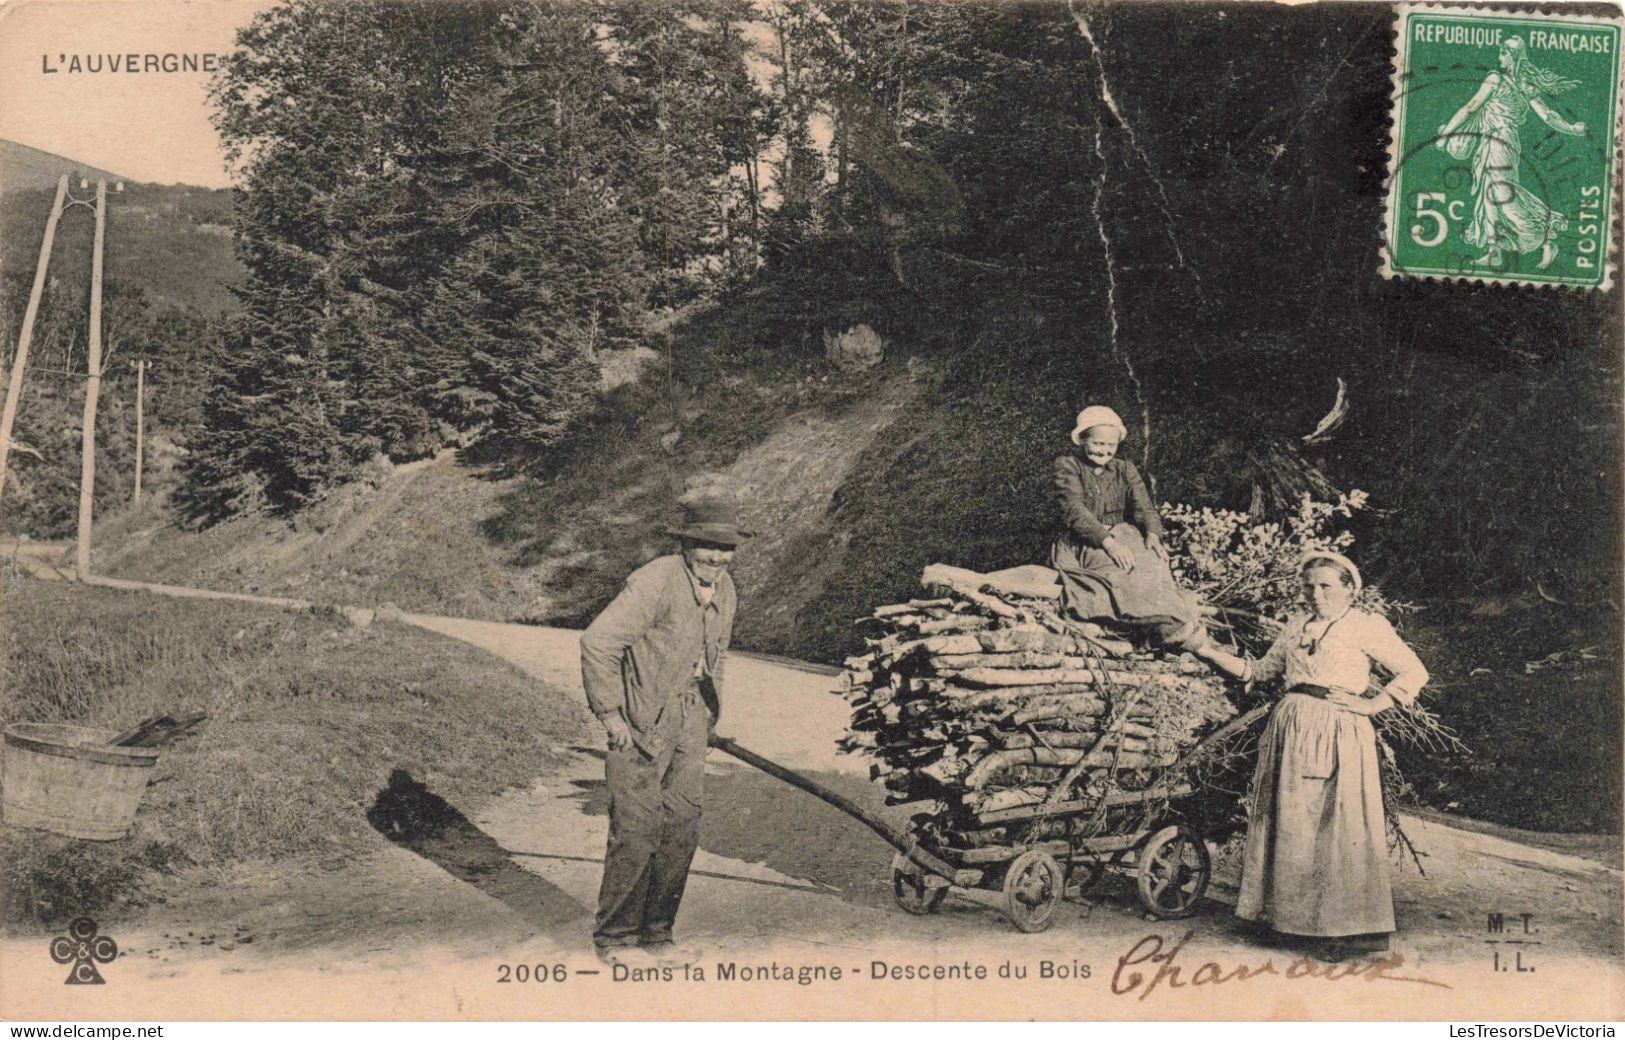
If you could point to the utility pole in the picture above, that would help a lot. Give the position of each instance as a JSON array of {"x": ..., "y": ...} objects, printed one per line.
[
  {"x": 9, "y": 414},
  {"x": 140, "y": 426},
  {"x": 93, "y": 387}
]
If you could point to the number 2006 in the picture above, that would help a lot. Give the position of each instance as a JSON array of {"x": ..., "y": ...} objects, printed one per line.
[{"x": 531, "y": 973}]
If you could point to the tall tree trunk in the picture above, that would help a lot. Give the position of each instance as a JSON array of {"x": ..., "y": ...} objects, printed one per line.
[
  {"x": 902, "y": 80},
  {"x": 841, "y": 131},
  {"x": 787, "y": 130},
  {"x": 753, "y": 173}
]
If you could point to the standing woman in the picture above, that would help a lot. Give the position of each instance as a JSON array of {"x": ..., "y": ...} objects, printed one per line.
[{"x": 1316, "y": 861}]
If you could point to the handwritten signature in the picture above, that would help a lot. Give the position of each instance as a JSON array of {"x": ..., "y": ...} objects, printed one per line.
[{"x": 1150, "y": 952}]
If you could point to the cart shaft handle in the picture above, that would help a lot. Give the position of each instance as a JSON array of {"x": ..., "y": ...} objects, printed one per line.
[{"x": 896, "y": 837}]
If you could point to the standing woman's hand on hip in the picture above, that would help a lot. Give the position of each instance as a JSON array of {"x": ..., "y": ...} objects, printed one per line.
[{"x": 1359, "y": 705}]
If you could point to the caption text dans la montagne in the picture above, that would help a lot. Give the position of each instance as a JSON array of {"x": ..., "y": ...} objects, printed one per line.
[{"x": 807, "y": 974}]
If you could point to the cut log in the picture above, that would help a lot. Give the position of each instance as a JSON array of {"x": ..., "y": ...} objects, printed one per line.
[
  {"x": 957, "y": 623},
  {"x": 1024, "y": 637},
  {"x": 1016, "y": 809},
  {"x": 994, "y": 762},
  {"x": 956, "y": 580},
  {"x": 1113, "y": 647},
  {"x": 1014, "y": 638},
  {"x": 1071, "y": 700},
  {"x": 1013, "y": 798},
  {"x": 912, "y": 605},
  {"x": 985, "y": 677},
  {"x": 966, "y": 585},
  {"x": 1068, "y": 739},
  {"x": 1065, "y": 706},
  {"x": 908, "y": 620},
  {"x": 1031, "y": 582},
  {"x": 1035, "y": 659}
]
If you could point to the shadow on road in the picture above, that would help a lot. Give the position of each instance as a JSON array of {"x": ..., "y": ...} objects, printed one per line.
[
  {"x": 414, "y": 817},
  {"x": 754, "y": 818}
]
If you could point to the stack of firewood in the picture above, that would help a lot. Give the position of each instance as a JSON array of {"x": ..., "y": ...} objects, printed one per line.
[{"x": 983, "y": 698}]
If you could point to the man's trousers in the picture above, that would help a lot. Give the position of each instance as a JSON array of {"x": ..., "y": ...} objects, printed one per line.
[{"x": 654, "y": 827}]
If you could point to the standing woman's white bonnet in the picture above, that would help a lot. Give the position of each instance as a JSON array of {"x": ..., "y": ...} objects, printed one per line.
[
  {"x": 1097, "y": 415},
  {"x": 1338, "y": 560}
]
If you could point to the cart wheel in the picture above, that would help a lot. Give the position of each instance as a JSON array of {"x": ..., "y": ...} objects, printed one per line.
[
  {"x": 1173, "y": 872},
  {"x": 1033, "y": 887},
  {"x": 911, "y": 888}
]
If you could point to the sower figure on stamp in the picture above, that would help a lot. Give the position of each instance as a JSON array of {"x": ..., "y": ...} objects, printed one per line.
[
  {"x": 1484, "y": 131},
  {"x": 652, "y": 667}
]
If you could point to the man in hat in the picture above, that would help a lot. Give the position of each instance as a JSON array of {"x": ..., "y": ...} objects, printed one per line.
[{"x": 652, "y": 667}]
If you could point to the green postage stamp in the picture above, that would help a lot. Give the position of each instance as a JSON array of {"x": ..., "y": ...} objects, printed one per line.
[{"x": 1503, "y": 162}]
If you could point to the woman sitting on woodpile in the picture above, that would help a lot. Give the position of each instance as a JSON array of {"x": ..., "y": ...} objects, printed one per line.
[
  {"x": 1316, "y": 860},
  {"x": 1112, "y": 563}
]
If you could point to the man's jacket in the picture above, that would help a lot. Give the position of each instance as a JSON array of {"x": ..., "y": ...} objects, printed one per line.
[{"x": 641, "y": 655}]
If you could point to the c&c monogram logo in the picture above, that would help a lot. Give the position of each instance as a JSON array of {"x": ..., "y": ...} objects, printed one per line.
[{"x": 82, "y": 948}]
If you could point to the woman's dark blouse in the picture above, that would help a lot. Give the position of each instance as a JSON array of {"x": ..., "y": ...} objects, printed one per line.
[{"x": 1094, "y": 501}]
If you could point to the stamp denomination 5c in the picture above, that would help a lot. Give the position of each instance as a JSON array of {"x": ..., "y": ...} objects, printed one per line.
[{"x": 1503, "y": 162}]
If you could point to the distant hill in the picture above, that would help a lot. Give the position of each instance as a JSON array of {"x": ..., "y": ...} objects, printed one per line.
[
  {"x": 23, "y": 168},
  {"x": 173, "y": 241}
]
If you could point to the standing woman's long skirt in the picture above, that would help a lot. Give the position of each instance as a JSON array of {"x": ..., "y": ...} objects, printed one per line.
[{"x": 1316, "y": 861}]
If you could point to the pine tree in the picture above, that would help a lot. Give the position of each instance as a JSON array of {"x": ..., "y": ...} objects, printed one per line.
[{"x": 447, "y": 210}]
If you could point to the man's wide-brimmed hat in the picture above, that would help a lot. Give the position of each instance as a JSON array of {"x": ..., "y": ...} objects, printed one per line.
[{"x": 710, "y": 518}]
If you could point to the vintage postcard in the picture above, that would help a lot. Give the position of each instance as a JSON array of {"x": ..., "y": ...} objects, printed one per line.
[{"x": 538, "y": 510}]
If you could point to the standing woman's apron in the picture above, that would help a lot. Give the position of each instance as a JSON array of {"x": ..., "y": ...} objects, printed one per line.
[{"x": 1316, "y": 861}]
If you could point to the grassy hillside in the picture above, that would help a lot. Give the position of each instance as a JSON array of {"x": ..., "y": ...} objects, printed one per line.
[
  {"x": 173, "y": 242},
  {"x": 308, "y": 720},
  {"x": 169, "y": 272},
  {"x": 27, "y": 169}
]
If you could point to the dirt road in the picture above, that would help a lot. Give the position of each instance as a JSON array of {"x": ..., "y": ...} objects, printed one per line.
[
  {"x": 757, "y": 826},
  {"x": 784, "y": 881}
]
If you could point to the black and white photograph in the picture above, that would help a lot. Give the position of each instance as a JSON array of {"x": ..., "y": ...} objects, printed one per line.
[{"x": 846, "y": 510}]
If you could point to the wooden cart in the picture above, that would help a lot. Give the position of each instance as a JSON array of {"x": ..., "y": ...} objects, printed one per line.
[
  {"x": 1170, "y": 865},
  {"x": 1168, "y": 859}
]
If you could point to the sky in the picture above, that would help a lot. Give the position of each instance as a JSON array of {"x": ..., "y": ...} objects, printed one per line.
[{"x": 151, "y": 125}]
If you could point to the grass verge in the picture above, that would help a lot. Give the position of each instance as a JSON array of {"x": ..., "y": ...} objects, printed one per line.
[{"x": 308, "y": 719}]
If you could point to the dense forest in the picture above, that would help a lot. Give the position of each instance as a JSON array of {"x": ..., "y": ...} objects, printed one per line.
[{"x": 446, "y": 211}]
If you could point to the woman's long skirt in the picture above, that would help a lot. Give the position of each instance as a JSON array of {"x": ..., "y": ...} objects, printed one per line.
[
  {"x": 1507, "y": 215},
  {"x": 1316, "y": 861},
  {"x": 1093, "y": 588}
]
